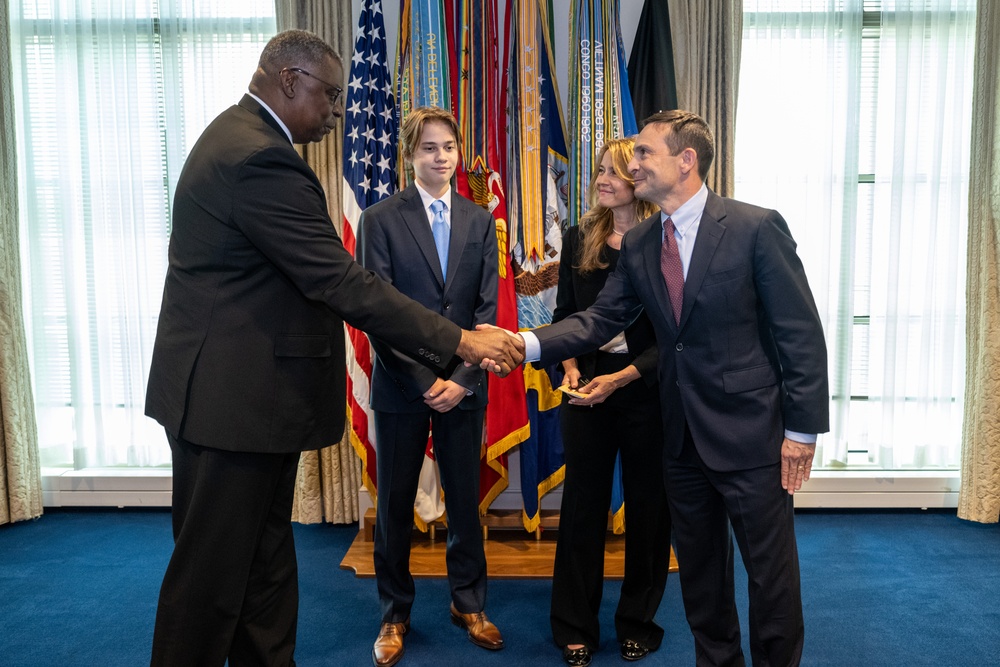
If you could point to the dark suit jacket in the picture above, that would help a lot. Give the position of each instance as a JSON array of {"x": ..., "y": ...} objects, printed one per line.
[
  {"x": 249, "y": 351},
  {"x": 397, "y": 244},
  {"x": 748, "y": 359},
  {"x": 578, "y": 291}
]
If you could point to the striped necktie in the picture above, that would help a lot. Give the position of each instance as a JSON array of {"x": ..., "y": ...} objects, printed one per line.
[{"x": 672, "y": 270}]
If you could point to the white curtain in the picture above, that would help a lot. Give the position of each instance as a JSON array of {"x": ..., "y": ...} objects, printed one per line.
[
  {"x": 20, "y": 471},
  {"x": 854, "y": 122},
  {"x": 110, "y": 95},
  {"x": 979, "y": 497}
]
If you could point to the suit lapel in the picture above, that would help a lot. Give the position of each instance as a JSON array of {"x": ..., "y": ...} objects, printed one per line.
[
  {"x": 415, "y": 217},
  {"x": 460, "y": 217},
  {"x": 710, "y": 232}
]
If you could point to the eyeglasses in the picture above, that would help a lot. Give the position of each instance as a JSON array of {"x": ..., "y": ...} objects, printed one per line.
[{"x": 338, "y": 91}]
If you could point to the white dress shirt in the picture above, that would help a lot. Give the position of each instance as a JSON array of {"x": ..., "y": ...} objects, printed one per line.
[
  {"x": 428, "y": 200},
  {"x": 284, "y": 127}
]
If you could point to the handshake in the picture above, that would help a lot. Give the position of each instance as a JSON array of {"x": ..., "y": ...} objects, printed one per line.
[{"x": 491, "y": 348}]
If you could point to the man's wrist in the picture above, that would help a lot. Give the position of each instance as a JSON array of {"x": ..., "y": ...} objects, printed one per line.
[
  {"x": 804, "y": 438},
  {"x": 532, "y": 347}
]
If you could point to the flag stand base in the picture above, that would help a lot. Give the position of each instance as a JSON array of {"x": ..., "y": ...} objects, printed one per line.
[{"x": 511, "y": 553}]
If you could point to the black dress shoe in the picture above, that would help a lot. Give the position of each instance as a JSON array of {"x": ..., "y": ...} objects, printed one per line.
[
  {"x": 633, "y": 650},
  {"x": 577, "y": 657}
]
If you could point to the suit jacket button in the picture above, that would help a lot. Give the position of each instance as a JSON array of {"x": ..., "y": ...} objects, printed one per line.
[
  {"x": 447, "y": 305},
  {"x": 422, "y": 351},
  {"x": 679, "y": 347}
]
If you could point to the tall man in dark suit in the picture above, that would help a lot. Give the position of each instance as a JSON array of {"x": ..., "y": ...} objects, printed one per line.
[
  {"x": 248, "y": 366},
  {"x": 440, "y": 249},
  {"x": 743, "y": 384}
]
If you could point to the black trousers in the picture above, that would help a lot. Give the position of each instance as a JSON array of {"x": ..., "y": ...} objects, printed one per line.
[
  {"x": 231, "y": 587},
  {"x": 704, "y": 504},
  {"x": 629, "y": 421},
  {"x": 402, "y": 439}
]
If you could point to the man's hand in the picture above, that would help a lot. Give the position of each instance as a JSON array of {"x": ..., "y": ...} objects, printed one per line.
[
  {"x": 491, "y": 348},
  {"x": 796, "y": 464},
  {"x": 444, "y": 395}
]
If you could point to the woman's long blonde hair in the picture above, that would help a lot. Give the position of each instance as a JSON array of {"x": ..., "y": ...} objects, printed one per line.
[{"x": 599, "y": 221}]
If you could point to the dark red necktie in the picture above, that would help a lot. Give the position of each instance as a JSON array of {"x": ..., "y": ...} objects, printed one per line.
[{"x": 672, "y": 270}]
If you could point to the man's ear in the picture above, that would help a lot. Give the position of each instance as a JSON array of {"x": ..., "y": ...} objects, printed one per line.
[
  {"x": 288, "y": 80},
  {"x": 689, "y": 160}
]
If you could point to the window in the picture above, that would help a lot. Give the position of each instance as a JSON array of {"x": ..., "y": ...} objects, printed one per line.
[
  {"x": 853, "y": 121},
  {"x": 110, "y": 97}
]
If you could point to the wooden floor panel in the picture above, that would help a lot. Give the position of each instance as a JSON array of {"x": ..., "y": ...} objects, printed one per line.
[{"x": 510, "y": 554}]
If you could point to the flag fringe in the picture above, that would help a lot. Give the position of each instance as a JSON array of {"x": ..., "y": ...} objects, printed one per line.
[
  {"x": 362, "y": 452},
  {"x": 508, "y": 442},
  {"x": 546, "y": 485}
]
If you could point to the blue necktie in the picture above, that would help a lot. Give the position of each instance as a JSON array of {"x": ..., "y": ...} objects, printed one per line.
[{"x": 442, "y": 237}]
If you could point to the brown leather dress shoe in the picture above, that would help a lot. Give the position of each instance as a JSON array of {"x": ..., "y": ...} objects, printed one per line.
[
  {"x": 388, "y": 648},
  {"x": 481, "y": 631}
]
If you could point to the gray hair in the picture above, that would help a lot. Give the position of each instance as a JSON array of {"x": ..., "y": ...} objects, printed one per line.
[{"x": 295, "y": 47}]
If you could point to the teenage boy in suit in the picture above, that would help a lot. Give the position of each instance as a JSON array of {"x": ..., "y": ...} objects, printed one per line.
[{"x": 439, "y": 249}]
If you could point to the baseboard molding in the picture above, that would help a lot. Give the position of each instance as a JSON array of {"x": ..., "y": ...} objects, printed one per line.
[
  {"x": 880, "y": 489},
  {"x": 826, "y": 489},
  {"x": 876, "y": 489},
  {"x": 107, "y": 487}
]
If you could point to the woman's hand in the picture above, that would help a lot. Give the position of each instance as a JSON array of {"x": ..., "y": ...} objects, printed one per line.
[{"x": 602, "y": 386}]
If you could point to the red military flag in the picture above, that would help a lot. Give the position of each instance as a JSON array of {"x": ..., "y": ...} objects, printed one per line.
[{"x": 480, "y": 113}]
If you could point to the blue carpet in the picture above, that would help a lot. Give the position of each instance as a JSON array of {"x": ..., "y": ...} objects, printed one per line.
[{"x": 78, "y": 589}]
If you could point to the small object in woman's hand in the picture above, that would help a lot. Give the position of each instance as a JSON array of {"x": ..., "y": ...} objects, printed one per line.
[{"x": 566, "y": 389}]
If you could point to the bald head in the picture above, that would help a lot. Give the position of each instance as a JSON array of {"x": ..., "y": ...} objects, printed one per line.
[{"x": 301, "y": 78}]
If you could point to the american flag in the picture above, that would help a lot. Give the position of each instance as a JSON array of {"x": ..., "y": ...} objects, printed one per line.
[{"x": 369, "y": 177}]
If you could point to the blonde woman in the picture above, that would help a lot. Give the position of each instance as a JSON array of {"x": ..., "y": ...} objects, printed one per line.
[{"x": 617, "y": 409}]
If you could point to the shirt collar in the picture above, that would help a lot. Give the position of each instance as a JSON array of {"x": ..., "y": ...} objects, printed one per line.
[
  {"x": 689, "y": 212},
  {"x": 274, "y": 115},
  {"x": 428, "y": 200}
]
